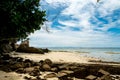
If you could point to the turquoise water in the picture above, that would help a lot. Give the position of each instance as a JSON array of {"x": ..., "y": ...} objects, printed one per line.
[{"x": 107, "y": 54}]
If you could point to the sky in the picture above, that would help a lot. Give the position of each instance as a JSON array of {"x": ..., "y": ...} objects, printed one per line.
[{"x": 79, "y": 23}]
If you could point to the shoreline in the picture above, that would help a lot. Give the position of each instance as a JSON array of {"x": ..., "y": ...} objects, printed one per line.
[
  {"x": 57, "y": 57},
  {"x": 64, "y": 57}
]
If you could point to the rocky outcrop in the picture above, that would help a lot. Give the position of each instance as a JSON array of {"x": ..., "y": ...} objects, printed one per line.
[
  {"x": 46, "y": 69},
  {"x": 29, "y": 50},
  {"x": 24, "y": 47}
]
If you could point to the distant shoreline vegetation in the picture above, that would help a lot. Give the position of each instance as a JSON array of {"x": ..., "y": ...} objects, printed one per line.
[
  {"x": 83, "y": 47},
  {"x": 69, "y": 51},
  {"x": 112, "y": 52}
]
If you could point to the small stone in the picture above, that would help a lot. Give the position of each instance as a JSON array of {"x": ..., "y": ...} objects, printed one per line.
[
  {"x": 90, "y": 77},
  {"x": 63, "y": 66},
  {"x": 20, "y": 70},
  {"x": 54, "y": 69},
  {"x": 105, "y": 77},
  {"x": 54, "y": 78},
  {"x": 28, "y": 70},
  {"x": 67, "y": 71},
  {"x": 46, "y": 67},
  {"x": 27, "y": 78},
  {"x": 51, "y": 75},
  {"x": 60, "y": 74},
  {"x": 103, "y": 72},
  {"x": 38, "y": 78},
  {"x": 17, "y": 65}
]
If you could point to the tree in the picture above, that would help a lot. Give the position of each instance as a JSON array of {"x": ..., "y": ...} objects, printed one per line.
[{"x": 19, "y": 18}]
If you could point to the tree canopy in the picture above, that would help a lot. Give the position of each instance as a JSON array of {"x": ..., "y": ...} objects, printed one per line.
[{"x": 19, "y": 18}]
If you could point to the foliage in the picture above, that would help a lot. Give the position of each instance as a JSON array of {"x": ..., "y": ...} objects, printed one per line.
[{"x": 19, "y": 18}]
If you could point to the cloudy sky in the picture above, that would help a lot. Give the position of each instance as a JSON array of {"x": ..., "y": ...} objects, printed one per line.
[{"x": 79, "y": 23}]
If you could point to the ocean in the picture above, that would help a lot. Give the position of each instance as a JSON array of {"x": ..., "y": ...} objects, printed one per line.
[{"x": 106, "y": 54}]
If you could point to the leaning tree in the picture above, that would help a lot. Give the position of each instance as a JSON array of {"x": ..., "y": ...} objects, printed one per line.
[{"x": 18, "y": 18}]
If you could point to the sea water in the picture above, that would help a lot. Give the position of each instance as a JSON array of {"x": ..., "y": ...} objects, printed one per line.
[{"x": 107, "y": 54}]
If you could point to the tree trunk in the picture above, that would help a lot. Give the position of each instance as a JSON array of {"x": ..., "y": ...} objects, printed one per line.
[{"x": 5, "y": 46}]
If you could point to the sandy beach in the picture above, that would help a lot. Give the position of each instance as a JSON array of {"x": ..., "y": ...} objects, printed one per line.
[
  {"x": 54, "y": 56},
  {"x": 57, "y": 57}
]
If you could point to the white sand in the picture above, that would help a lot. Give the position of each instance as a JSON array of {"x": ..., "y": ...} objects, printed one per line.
[
  {"x": 11, "y": 76},
  {"x": 62, "y": 57}
]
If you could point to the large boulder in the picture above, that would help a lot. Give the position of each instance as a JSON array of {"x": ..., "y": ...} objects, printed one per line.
[
  {"x": 33, "y": 50},
  {"x": 24, "y": 47}
]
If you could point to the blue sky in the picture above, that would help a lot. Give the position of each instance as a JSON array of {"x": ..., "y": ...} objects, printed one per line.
[{"x": 79, "y": 23}]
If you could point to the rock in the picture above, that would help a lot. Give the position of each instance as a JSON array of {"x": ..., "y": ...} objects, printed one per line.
[
  {"x": 28, "y": 60},
  {"x": 55, "y": 69},
  {"x": 115, "y": 77},
  {"x": 6, "y": 57},
  {"x": 46, "y": 67},
  {"x": 28, "y": 70},
  {"x": 79, "y": 73},
  {"x": 105, "y": 77},
  {"x": 19, "y": 59},
  {"x": 24, "y": 47},
  {"x": 54, "y": 78},
  {"x": 48, "y": 61},
  {"x": 41, "y": 62},
  {"x": 91, "y": 77},
  {"x": 61, "y": 74},
  {"x": 65, "y": 67},
  {"x": 4, "y": 62},
  {"x": 45, "y": 50},
  {"x": 28, "y": 64},
  {"x": 29, "y": 50},
  {"x": 35, "y": 72},
  {"x": 33, "y": 50},
  {"x": 103, "y": 72},
  {"x": 73, "y": 67},
  {"x": 20, "y": 70},
  {"x": 16, "y": 66},
  {"x": 67, "y": 71},
  {"x": 5, "y": 68},
  {"x": 36, "y": 64},
  {"x": 64, "y": 74},
  {"x": 38, "y": 78},
  {"x": 51, "y": 75},
  {"x": 27, "y": 78}
]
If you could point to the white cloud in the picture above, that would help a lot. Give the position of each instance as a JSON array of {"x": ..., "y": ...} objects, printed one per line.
[
  {"x": 107, "y": 7},
  {"x": 69, "y": 23},
  {"x": 110, "y": 25},
  {"x": 82, "y": 11},
  {"x": 55, "y": 3},
  {"x": 71, "y": 38}
]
